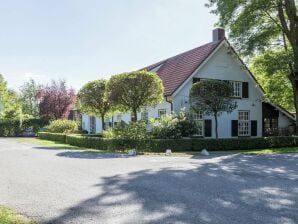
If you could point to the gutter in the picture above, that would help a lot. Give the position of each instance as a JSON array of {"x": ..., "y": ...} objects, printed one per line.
[{"x": 170, "y": 101}]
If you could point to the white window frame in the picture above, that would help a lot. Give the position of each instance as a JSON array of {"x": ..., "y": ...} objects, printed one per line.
[
  {"x": 164, "y": 113},
  {"x": 244, "y": 123},
  {"x": 237, "y": 89},
  {"x": 144, "y": 115},
  {"x": 107, "y": 122},
  {"x": 199, "y": 120},
  {"x": 92, "y": 124}
]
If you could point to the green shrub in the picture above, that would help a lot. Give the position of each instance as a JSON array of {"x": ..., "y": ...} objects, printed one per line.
[
  {"x": 63, "y": 126},
  {"x": 172, "y": 126},
  {"x": 160, "y": 145},
  {"x": 136, "y": 130}
]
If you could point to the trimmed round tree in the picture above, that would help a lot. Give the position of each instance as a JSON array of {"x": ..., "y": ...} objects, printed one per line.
[
  {"x": 94, "y": 99},
  {"x": 212, "y": 97},
  {"x": 130, "y": 91}
]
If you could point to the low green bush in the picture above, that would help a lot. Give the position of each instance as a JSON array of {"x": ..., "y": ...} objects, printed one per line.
[
  {"x": 177, "y": 145},
  {"x": 63, "y": 126},
  {"x": 173, "y": 126},
  {"x": 135, "y": 130}
]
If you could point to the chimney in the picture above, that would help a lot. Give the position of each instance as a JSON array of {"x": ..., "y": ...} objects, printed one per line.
[{"x": 218, "y": 34}]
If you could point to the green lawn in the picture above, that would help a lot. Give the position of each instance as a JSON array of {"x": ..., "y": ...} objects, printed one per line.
[
  {"x": 52, "y": 144},
  {"x": 46, "y": 143},
  {"x": 7, "y": 216}
]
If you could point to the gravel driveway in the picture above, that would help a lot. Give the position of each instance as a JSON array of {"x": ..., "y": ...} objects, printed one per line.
[{"x": 60, "y": 186}]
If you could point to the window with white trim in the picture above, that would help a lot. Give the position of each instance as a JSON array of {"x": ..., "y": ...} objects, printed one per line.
[
  {"x": 243, "y": 123},
  {"x": 237, "y": 88},
  {"x": 107, "y": 123},
  {"x": 199, "y": 123},
  {"x": 144, "y": 115},
  {"x": 162, "y": 113},
  {"x": 92, "y": 124}
]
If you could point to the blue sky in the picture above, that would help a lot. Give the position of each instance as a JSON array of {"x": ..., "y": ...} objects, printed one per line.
[{"x": 83, "y": 40}]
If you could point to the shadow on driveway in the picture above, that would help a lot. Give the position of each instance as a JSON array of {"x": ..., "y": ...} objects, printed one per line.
[{"x": 236, "y": 189}]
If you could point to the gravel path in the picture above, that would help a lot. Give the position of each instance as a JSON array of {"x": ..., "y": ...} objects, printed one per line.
[{"x": 62, "y": 186}]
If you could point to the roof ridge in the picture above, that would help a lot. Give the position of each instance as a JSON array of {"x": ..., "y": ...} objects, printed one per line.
[{"x": 154, "y": 65}]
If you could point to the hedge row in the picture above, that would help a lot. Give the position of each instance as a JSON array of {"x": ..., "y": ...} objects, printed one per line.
[{"x": 159, "y": 145}]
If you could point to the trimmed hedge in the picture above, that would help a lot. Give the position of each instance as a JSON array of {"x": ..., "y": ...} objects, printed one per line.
[
  {"x": 57, "y": 137},
  {"x": 159, "y": 145}
]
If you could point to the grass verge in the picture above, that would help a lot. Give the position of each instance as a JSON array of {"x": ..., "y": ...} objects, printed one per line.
[
  {"x": 58, "y": 145},
  {"x": 7, "y": 216},
  {"x": 46, "y": 143}
]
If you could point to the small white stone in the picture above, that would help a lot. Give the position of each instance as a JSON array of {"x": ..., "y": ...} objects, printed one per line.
[
  {"x": 204, "y": 152},
  {"x": 168, "y": 152}
]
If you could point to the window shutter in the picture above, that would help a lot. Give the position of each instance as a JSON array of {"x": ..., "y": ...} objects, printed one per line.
[
  {"x": 208, "y": 128},
  {"x": 234, "y": 128},
  {"x": 254, "y": 128},
  {"x": 245, "y": 93}
]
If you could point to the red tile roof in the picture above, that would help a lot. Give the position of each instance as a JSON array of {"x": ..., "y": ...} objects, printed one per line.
[{"x": 175, "y": 70}]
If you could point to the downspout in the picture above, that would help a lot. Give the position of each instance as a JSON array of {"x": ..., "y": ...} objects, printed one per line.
[{"x": 170, "y": 101}]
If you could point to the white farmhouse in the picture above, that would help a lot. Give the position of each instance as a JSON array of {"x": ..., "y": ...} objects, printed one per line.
[{"x": 215, "y": 60}]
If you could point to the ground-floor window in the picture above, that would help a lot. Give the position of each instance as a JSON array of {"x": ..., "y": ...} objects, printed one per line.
[
  {"x": 162, "y": 113},
  {"x": 271, "y": 126},
  {"x": 198, "y": 119},
  {"x": 243, "y": 123},
  {"x": 144, "y": 115},
  {"x": 107, "y": 124},
  {"x": 92, "y": 124}
]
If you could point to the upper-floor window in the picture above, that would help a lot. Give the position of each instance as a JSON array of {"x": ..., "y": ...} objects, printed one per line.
[
  {"x": 162, "y": 113},
  {"x": 236, "y": 88}
]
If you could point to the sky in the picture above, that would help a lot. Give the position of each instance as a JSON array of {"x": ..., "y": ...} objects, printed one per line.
[{"x": 84, "y": 40}]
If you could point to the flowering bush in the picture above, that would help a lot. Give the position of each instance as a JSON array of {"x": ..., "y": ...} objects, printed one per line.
[{"x": 172, "y": 126}]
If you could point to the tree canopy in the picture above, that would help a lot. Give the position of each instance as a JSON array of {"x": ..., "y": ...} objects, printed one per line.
[
  {"x": 212, "y": 97},
  {"x": 130, "y": 91},
  {"x": 94, "y": 99},
  {"x": 264, "y": 26},
  {"x": 29, "y": 98},
  {"x": 56, "y": 100},
  {"x": 276, "y": 85}
]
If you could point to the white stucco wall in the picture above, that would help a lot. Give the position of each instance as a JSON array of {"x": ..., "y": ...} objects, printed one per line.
[
  {"x": 126, "y": 117},
  {"x": 224, "y": 66},
  {"x": 284, "y": 121}
]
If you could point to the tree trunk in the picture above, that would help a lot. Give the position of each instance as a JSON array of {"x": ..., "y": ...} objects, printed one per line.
[
  {"x": 295, "y": 90},
  {"x": 135, "y": 119},
  {"x": 216, "y": 131},
  {"x": 103, "y": 122}
]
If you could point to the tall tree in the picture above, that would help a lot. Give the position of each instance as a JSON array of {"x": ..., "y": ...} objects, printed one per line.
[
  {"x": 94, "y": 99},
  {"x": 130, "y": 91},
  {"x": 29, "y": 98},
  {"x": 56, "y": 100},
  {"x": 277, "y": 86},
  {"x": 262, "y": 25},
  {"x": 10, "y": 107},
  {"x": 212, "y": 97}
]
